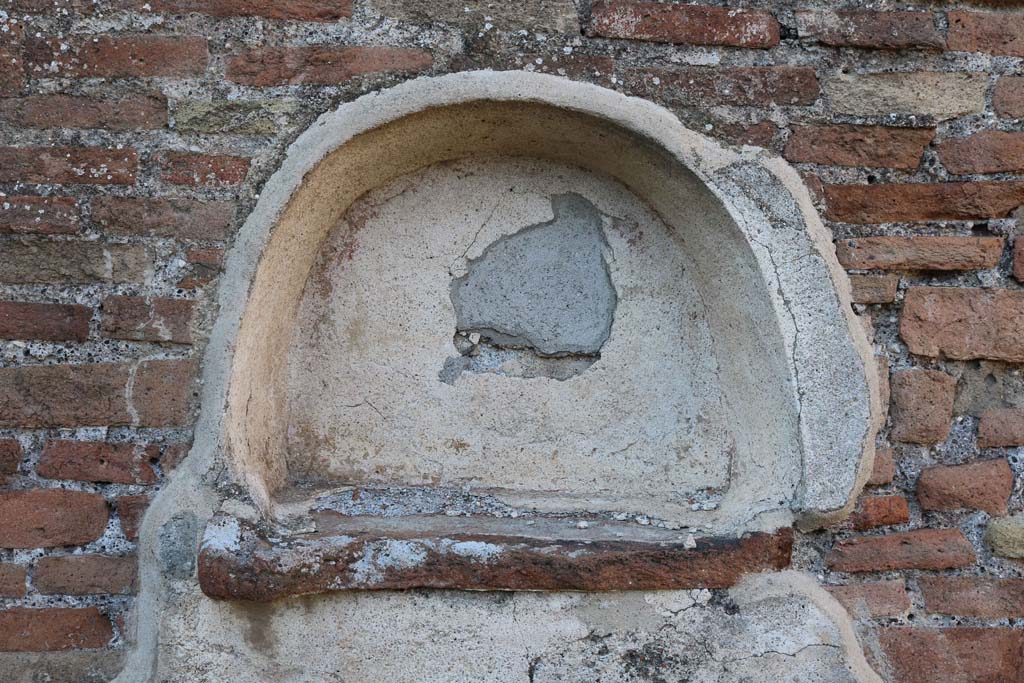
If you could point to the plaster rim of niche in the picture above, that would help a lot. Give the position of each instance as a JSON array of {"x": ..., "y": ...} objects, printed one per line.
[{"x": 721, "y": 170}]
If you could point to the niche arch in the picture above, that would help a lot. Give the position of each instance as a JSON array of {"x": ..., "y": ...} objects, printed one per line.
[{"x": 794, "y": 362}]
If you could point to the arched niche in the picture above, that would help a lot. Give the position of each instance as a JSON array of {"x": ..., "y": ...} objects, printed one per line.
[{"x": 793, "y": 389}]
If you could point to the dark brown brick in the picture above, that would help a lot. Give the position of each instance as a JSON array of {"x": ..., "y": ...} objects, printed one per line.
[
  {"x": 922, "y": 405},
  {"x": 41, "y": 215},
  {"x": 686, "y": 24},
  {"x": 39, "y": 630},
  {"x": 148, "y": 319},
  {"x": 875, "y": 511},
  {"x": 882, "y": 30},
  {"x": 877, "y": 599},
  {"x": 979, "y": 485},
  {"x": 1001, "y": 428},
  {"x": 127, "y": 56},
  {"x": 12, "y": 580},
  {"x": 204, "y": 267},
  {"x": 1018, "y": 259},
  {"x": 873, "y": 146},
  {"x": 874, "y": 289},
  {"x": 964, "y": 323},
  {"x": 52, "y": 322},
  {"x": 50, "y": 517},
  {"x": 292, "y": 10},
  {"x": 185, "y": 219},
  {"x": 990, "y": 151},
  {"x": 97, "y": 394},
  {"x": 973, "y": 596},
  {"x": 1008, "y": 98},
  {"x": 954, "y": 655},
  {"x": 995, "y": 33},
  {"x": 119, "y": 463},
  {"x": 913, "y": 202},
  {"x": 133, "y": 112},
  {"x": 884, "y": 469},
  {"x": 741, "y": 86},
  {"x": 68, "y": 165},
  {"x": 920, "y": 253},
  {"x": 130, "y": 510},
  {"x": 48, "y": 262},
  {"x": 203, "y": 170},
  {"x": 321, "y": 65},
  {"x": 920, "y": 549},
  {"x": 10, "y": 458},
  {"x": 12, "y": 77},
  {"x": 85, "y": 575}
]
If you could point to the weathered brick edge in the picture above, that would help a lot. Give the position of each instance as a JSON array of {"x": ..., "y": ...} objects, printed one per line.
[{"x": 238, "y": 562}]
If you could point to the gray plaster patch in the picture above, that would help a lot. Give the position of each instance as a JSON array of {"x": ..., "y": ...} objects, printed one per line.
[
  {"x": 178, "y": 545},
  {"x": 545, "y": 290}
]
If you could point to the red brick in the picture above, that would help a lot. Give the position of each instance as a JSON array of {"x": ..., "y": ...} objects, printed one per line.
[
  {"x": 68, "y": 165},
  {"x": 118, "y": 463},
  {"x": 878, "y": 599},
  {"x": 10, "y": 458},
  {"x": 686, "y": 24},
  {"x": 173, "y": 455},
  {"x": 875, "y": 511},
  {"x": 204, "y": 267},
  {"x": 874, "y": 146},
  {"x": 922, "y": 405},
  {"x": 874, "y": 289},
  {"x": 43, "y": 215},
  {"x": 576, "y": 65},
  {"x": 1001, "y": 428},
  {"x": 144, "y": 319},
  {"x": 1008, "y": 98},
  {"x": 920, "y": 549},
  {"x": 995, "y": 33},
  {"x": 884, "y": 30},
  {"x": 884, "y": 469},
  {"x": 203, "y": 170},
  {"x": 757, "y": 134},
  {"x": 741, "y": 86},
  {"x": 12, "y": 76},
  {"x": 51, "y": 517},
  {"x": 85, "y": 575},
  {"x": 1018, "y": 258},
  {"x": 979, "y": 485},
  {"x": 922, "y": 201},
  {"x": 130, "y": 510},
  {"x": 103, "y": 56},
  {"x": 990, "y": 151},
  {"x": 53, "y": 322},
  {"x": 964, "y": 323},
  {"x": 185, "y": 219},
  {"x": 40, "y": 630},
  {"x": 12, "y": 580},
  {"x": 954, "y": 655},
  {"x": 973, "y": 596},
  {"x": 321, "y": 65},
  {"x": 97, "y": 394},
  {"x": 920, "y": 253},
  {"x": 69, "y": 111},
  {"x": 292, "y": 10}
]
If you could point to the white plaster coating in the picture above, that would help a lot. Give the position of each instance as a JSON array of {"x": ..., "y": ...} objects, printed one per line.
[
  {"x": 185, "y": 636},
  {"x": 641, "y": 428}
]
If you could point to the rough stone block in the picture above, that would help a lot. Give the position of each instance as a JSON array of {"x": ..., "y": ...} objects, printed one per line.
[
  {"x": 741, "y": 86},
  {"x": 45, "y": 262},
  {"x": 874, "y": 289},
  {"x": 931, "y": 93},
  {"x": 1006, "y": 536},
  {"x": 881, "y": 30}
]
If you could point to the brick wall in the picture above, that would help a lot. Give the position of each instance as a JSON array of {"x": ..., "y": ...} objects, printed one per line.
[{"x": 129, "y": 157}]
